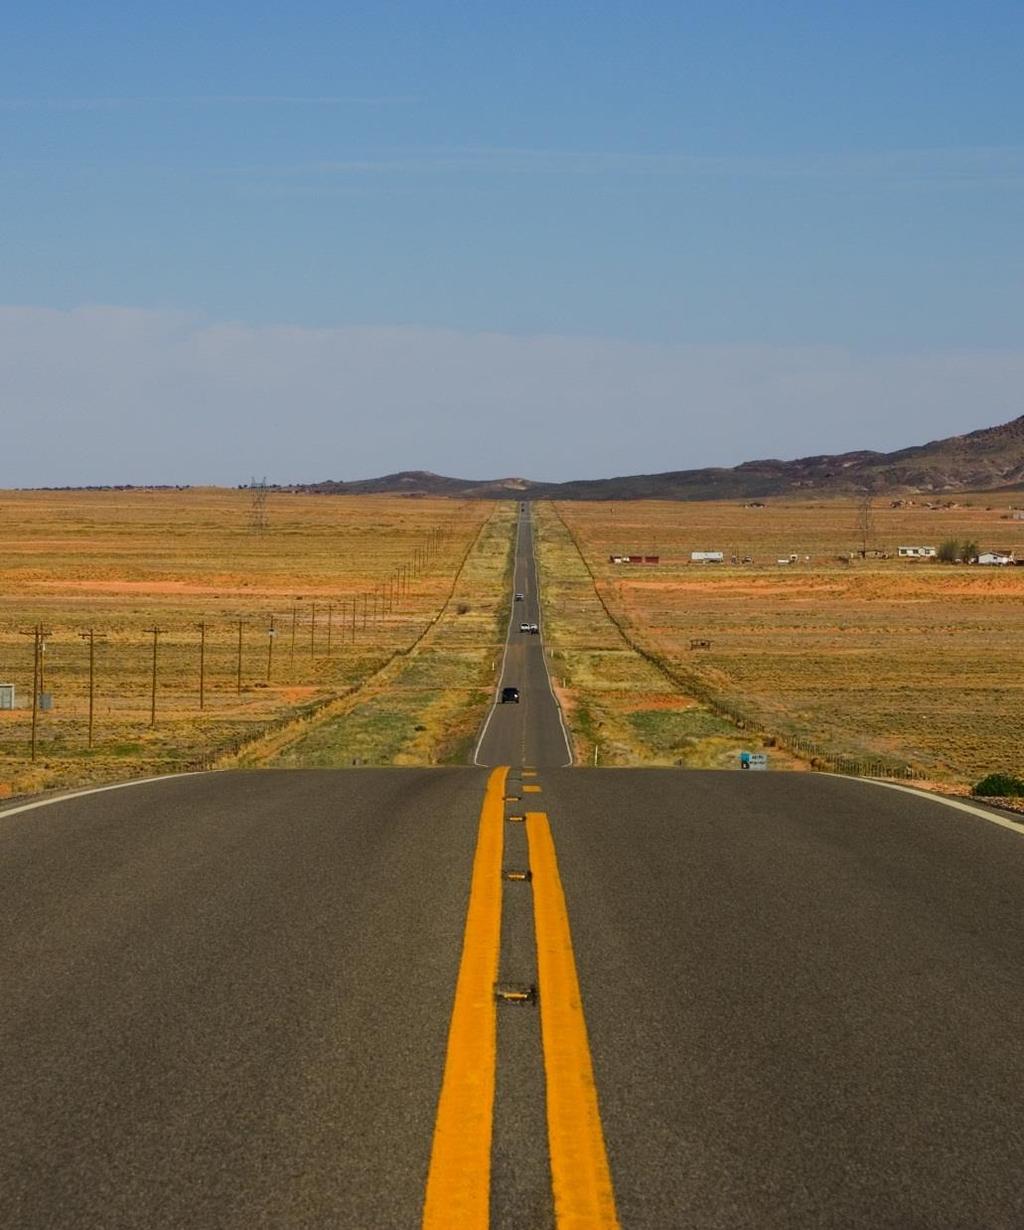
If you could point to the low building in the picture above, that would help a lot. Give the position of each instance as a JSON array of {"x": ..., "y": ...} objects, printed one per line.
[
  {"x": 707, "y": 557},
  {"x": 917, "y": 552},
  {"x": 995, "y": 557}
]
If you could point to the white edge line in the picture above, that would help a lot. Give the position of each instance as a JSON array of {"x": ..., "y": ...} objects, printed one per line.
[
  {"x": 1002, "y": 821},
  {"x": 80, "y": 794},
  {"x": 504, "y": 656}
]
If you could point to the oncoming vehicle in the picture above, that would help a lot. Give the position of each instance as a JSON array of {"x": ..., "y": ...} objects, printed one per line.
[
  {"x": 520, "y": 597},
  {"x": 533, "y": 628},
  {"x": 525, "y": 627},
  {"x": 510, "y": 696}
]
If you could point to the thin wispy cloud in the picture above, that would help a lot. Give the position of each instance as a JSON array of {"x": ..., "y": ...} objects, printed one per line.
[
  {"x": 102, "y": 103},
  {"x": 979, "y": 164},
  {"x": 104, "y": 395}
]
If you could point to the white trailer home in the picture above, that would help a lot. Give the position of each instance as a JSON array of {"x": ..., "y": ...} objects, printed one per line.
[
  {"x": 707, "y": 557},
  {"x": 996, "y": 557},
  {"x": 917, "y": 552}
]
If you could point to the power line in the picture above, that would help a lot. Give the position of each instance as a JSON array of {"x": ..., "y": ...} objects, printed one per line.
[{"x": 258, "y": 521}]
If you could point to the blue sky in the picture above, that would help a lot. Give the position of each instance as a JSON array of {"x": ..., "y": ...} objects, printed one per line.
[{"x": 658, "y": 181}]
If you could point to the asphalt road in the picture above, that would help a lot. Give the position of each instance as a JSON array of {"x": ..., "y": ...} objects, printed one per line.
[
  {"x": 530, "y": 732},
  {"x": 225, "y": 998}
]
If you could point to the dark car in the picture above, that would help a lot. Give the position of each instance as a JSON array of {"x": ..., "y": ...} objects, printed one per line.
[{"x": 510, "y": 696}]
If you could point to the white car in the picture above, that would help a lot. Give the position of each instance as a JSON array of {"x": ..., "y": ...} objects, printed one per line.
[{"x": 524, "y": 627}]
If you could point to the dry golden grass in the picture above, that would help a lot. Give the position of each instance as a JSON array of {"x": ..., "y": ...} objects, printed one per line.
[
  {"x": 427, "y": 705},
  {"x": 123, "y": 562},
  {"x": 620, "y": 708},
  {"x": 880, "y": 660}
]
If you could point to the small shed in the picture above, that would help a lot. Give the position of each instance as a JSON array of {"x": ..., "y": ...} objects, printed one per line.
[{"x": 6, "y": 695}]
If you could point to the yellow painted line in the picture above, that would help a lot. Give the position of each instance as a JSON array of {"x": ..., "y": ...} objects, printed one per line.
[
  {"x": 529, "y": 772},
  {"x": 531, "y": 789},
  {"x": 459, "y": 1180},
  {"x": 580, "y": 1176}
]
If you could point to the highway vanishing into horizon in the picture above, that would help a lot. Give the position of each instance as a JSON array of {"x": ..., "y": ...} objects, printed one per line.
[{"x": 512, "y": 994}]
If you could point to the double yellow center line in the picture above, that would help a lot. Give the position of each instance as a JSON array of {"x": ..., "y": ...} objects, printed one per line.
[{"x": 459, "y": 1180}]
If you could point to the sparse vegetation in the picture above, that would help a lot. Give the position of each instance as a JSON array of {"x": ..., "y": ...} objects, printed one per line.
[
  {"x": 125, "y": 561},
  {"x": 621, "y": 707},
  {"x": 427, "y": 705},
  {"x": 873, "y": 666}
]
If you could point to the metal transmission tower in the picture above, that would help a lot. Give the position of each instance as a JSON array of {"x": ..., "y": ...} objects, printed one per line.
[{"x": 258, "y": 522}]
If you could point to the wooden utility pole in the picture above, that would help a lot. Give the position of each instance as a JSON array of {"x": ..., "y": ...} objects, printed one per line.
[
  {"x": 353, "y": 619},
  {"x": 37, "y": 674},
  {"x": 271, "y": 633},
  {"x": 330, "y": 620},
  {"x": 38, "y": 636},
  {"x": 291, "y": 658},
  {"x": 238, "y": 671},
  {"x": 364, "y": 612},
  {"x": 202, "y": 665},
  {"x": 152, "y": 695},
  {"x": 90, "y": 636},
  {"x": 312, "y": 632}
]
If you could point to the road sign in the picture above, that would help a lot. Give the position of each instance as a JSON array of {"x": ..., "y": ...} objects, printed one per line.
[{"x": 758, "y": 760}]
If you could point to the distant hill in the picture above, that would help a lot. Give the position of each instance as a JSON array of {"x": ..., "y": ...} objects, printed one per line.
[{"x": 989, "y": 459}]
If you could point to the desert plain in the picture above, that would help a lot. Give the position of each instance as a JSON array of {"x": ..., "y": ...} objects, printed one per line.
[{"x": 368, "y": 630}]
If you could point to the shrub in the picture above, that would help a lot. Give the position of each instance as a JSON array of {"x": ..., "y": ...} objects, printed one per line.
[
  {"x": 999, "y": 785},
  {"x": 953, "y": 551}
]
